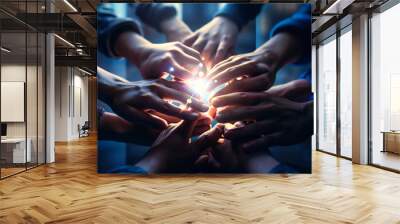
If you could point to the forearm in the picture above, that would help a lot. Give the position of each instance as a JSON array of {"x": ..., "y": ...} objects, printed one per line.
[
  {"x": 108, "y": 84},
  {"x": 281, "y": 49},
  {"x": 109, "y": 27},
  {"x": 175, "y": 29},
  {"x": 299, "y": 27},
  {"x": 240, "y": 14},
  {"x": 132, "y": 46}
]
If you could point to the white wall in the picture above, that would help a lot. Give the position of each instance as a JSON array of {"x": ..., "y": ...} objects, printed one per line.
[
  {"x": 16, "y": 73},
  {"x": 71, "y": 94},
  {"x": 61, "y": 104}
]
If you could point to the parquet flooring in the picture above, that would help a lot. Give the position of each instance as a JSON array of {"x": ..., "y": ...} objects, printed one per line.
[{"x": 70, "y": 191}]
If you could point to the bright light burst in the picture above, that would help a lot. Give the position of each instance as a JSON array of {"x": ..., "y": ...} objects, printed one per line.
[{"x": 200, "y": 86}]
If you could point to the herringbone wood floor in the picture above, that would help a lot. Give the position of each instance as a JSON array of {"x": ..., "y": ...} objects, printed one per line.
[{"x": 70, "y": 191}]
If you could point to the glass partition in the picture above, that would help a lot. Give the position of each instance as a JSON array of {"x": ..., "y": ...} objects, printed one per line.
[
  {"x": 41, "y": 97},
  {"x": 31, "y": 97},
  {"x": 327, "y": 96},
  {"x": 14, "y": 153},
  {"x": 22, "y": 88},
  {"x": 346, "y": 93}
]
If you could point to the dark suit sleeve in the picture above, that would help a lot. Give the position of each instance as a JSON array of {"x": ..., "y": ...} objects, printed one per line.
[
  {"x": 109, "y": 27},
  {"x": 240, "y": 14},
  {"x": 298, "y": 24}
]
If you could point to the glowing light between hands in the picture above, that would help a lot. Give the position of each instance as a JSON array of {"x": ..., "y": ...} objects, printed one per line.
[{"x": 200, "y": 86}]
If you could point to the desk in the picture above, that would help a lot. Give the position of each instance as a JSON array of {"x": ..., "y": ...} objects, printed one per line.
[
  {"x": 391, "y": 141},
  {"x": 13, "y": 150}
]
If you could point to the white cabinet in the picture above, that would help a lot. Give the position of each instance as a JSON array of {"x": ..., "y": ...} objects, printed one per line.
[{"x": 16, "y": 147}]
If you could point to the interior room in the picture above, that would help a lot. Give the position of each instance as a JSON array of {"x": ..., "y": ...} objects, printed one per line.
[
  {"x": 22, "y": 103},
  {"x": 49, "y": 170}
]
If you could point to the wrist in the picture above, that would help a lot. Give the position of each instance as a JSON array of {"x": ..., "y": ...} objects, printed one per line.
[
  {"x": 278, "y": 51},
  {"x": 175, "y": 29},
  {"x": 109, "y": 83},
  {"x": 226, "y": 21},
  {"x": 132, "y": 46},
  {"x": 171, "y": 25}
]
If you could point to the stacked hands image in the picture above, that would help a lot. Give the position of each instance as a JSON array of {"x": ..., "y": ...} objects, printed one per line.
[{"x": 200, "y": 106}]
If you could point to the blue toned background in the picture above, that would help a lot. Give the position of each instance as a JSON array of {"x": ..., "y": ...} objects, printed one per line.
[{"x": 113, "y": 154}]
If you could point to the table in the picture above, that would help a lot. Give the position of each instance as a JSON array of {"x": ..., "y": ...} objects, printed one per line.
[{"x": 391, "y": 141}]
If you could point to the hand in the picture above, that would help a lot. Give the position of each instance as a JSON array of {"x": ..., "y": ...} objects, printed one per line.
[
  {"x": 215, "y": 40},
  {"x": 135, "y": 100},
  {"x": 296, "y": 90},
  {"x": 172, "y": 152},
  {"x": 153, "y": 60},
  {"x": 273, "y": 120},
  {"x": 203, "y": 124},
  {"x": 254, "y": 71},
  {"x": 175, "y": 29},
  {"x": 222, "y": 158},
  {"x": 113, "y": 127}
]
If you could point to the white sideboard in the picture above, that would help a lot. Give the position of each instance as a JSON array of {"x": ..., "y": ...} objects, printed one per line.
[{"x": 17, "y": 146}]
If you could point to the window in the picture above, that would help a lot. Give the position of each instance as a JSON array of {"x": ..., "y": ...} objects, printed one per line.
[{"x": 385, "y": 89}]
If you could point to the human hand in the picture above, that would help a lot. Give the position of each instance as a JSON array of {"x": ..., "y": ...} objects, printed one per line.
[
  {"x": 223, "y": 157},
  {"x": 114, "y": 127},
  {"x": 297, "y": 90},
  {"x": 215, "y": 40},
  {"x": 271, "y": 120},
  {"x": 203, "y": 123},
  {"x": 173, "y": 152},
  {"x": 135, "y": 101},
  {"x": 254, "y": 71},
  {"x": 153, "y": 60}
]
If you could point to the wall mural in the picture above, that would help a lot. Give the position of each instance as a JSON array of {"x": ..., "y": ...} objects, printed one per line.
[{"x": 204, "y": 88}]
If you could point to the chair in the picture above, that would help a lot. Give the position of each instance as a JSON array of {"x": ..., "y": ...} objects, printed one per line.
[{"x": 84, "y": 130}]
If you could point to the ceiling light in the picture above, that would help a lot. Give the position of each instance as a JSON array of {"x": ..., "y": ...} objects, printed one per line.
[
  {"x": 65, "y": 41},
  {"x": 5, "y": 50},
  {"x": 337, "y": 7},
  {"x": 70, "y": 5},
  {"x": 84, "y": 71}
]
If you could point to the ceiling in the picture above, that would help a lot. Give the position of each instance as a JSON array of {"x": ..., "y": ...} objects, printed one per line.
[{"x": 75, "y": 21}]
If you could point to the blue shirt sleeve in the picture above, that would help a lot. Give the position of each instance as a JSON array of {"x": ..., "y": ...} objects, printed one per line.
[
  {"x": 300, "y": 25},
  {"x": 154, "y": 13},
  {"x": 109, "y": 27},
  {"x": 306, "y": 76},
  {"x": 240, "y": 14},
  {"x": 129, "y": 169}
]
